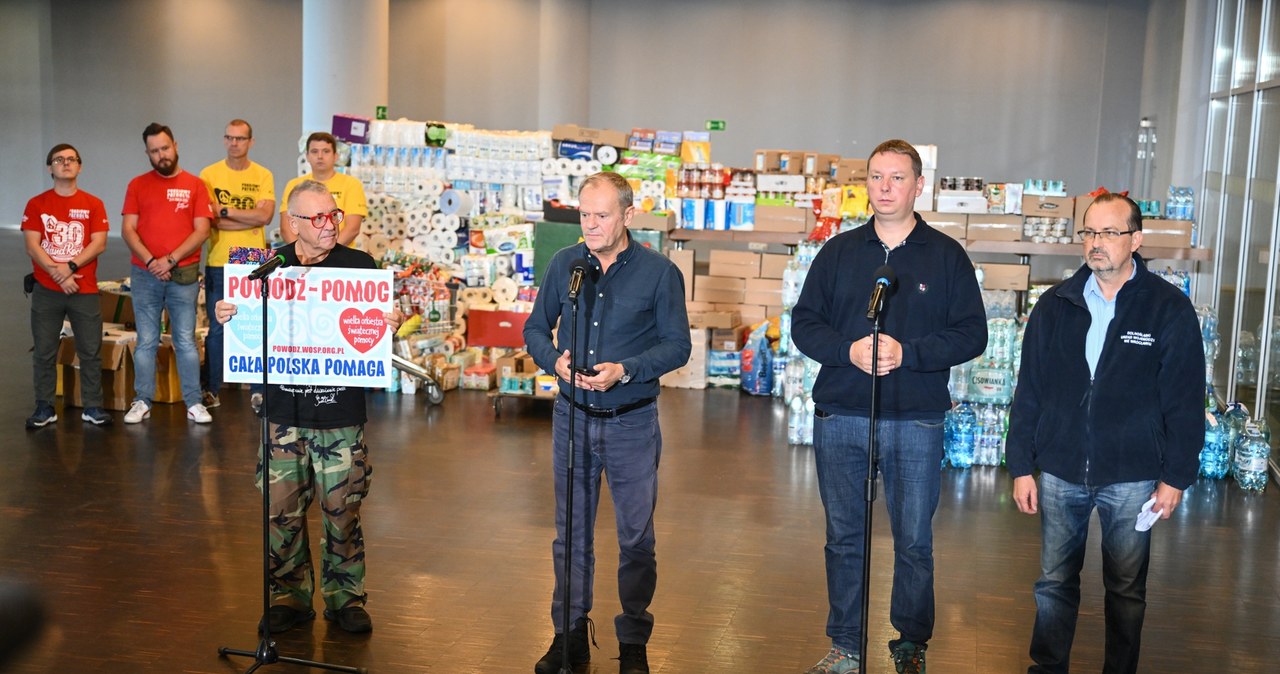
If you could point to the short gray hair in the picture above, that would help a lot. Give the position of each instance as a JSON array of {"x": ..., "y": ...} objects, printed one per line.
[{"x": 314, "y": 186}]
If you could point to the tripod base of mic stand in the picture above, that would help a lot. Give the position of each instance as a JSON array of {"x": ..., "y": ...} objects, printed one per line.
[{"x": 267, "y": 655}]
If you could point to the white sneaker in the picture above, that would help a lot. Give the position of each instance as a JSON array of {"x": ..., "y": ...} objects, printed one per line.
[
  {"x": 199, "y": 414},
  {"x": 138, "y": 411}
]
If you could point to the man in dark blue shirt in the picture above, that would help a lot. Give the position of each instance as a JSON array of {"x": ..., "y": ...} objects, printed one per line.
[
  {"x": 632, "y": 329},
  {"x": 934, "y": 320}
]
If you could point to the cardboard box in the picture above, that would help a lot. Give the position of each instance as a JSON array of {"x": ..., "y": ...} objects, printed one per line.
[
  {"x": 1082, "y": 204},
  {"x": 353, "y": 128},
  {"x": 773, "y": 265},
  {"x": 168, "y": 383},
  {"x": 702, "y": 294},
  {"x": 515, "y": 363},
  {"x": 704, "y": 320},
  {"x": 1048, "y": 207},
  {"x": 728, "y": 339},
  {"x": 659, "y": 221},
  {"x": 117, "y": 373},
  {"x": 990, "y": 227},
  {"x": 818, "y": 164},
  {"x": 694, "y": 372},
  {"x": 848, "y": 170},
  {"x": 116, "y": 307},
  {"x": 450, "y": 377},
  {"x": 767, "y": 160},
  {"x": 496, "y": 328},
  {"x": 546, "y": 386},
  {"x": 1157, "y": 232},
  {"x": 951, "y": 224},
  {"x": 783, "y": 219},
  {"x": 684, "y": 260},
  {"x": 692, "y": 307},
  {"x": 735, "y": 263},
  {"x": 718, "y": 283},
  {"x": 778, "y": 182},
  {"x": 584, "y": 134},
  {"x": 762, "y": 292},
  {"x": 753, "y": 314},
  {"x": 1005, "y": 276},
  {"x": 961, "y": 201}
]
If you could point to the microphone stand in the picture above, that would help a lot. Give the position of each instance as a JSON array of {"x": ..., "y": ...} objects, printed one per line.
[
  {"x": 873, "y": 462},
  {"x": 566, "y": 595},
  {"x": 266, "y": 653}
]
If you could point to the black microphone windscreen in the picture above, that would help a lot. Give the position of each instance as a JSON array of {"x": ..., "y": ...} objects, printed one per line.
[
  {"x": 580, "y": 263},
  {"x": 885, "y": 274}
]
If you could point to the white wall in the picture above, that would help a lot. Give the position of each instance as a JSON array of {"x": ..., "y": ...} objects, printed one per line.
[
  {"x": 1009, "y": 89},
  {"x": 113, "y": 67},
  {"x": 24, "y": 59}
]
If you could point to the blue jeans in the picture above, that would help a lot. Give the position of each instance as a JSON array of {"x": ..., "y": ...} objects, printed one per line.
[
  {"x": 910, "y": 459},
  {"x": 626, "y": 449},
  {"x": 1064, "y": 525},
  {"x": 150, "y": 297}
]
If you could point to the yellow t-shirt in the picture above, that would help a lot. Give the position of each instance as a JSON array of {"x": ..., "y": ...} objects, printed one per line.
[
  {"x": 347, "y": 191},
  {"x": 229, "y": 188}
]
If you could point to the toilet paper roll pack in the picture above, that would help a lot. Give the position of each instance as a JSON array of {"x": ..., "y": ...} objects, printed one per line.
[{"x": 456, "y": 202}]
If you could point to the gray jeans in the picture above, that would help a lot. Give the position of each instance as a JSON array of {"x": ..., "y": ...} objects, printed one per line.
[{"x": 48, "y": 310}]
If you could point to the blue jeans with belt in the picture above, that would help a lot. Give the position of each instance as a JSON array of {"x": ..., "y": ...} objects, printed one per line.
[
  {"x": 626, "y": 449},
  {"x": 1065, "y": 508},
  {"x": 151, "y": 296},
  {"x": 910, "y": 454}
]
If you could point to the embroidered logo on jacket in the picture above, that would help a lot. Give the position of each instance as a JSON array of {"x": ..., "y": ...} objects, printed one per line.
[{"x": 1139, "y": 338}]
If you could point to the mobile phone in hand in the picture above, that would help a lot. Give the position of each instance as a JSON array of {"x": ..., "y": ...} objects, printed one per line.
[{"x": 587, "y": 371}]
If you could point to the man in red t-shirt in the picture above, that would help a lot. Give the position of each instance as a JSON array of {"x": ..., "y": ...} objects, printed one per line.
[
  {"x": 166, "y": 220},
  {"x": 66, "y": 230}
]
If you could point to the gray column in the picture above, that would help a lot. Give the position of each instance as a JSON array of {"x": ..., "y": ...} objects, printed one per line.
[{"x": 344, "y": 59}]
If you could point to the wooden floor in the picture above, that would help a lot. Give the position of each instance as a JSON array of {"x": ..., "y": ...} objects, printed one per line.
[{"x": 145, "y": 542}]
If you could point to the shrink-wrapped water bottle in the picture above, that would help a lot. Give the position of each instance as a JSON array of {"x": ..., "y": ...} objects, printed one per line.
[
  {"x": 1216, "y": 453},
  {"x": 1251, "y": 460},
  {"x": 964, "y": 424}
]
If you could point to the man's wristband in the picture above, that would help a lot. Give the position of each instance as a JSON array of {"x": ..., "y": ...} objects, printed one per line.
[{"x": 150, "y": 261}]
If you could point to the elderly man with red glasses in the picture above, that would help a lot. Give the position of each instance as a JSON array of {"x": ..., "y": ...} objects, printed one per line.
[{"x": 317, "y": 449}]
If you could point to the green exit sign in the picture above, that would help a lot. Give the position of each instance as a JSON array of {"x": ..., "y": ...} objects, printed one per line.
[
  {"x": 715, "y": 125},
  {"x": 380, "y": 112}
]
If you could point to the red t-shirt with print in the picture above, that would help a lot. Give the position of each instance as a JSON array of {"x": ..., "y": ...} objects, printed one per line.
[
  {"x": 166, "y": 210},
  {"x": 65, "y": 225}
]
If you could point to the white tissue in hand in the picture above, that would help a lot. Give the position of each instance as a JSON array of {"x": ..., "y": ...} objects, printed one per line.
[{"x": 1146, "y": 518}]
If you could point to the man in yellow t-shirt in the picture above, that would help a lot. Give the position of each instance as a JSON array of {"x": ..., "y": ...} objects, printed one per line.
[
  {"x": 322, "y": 155},
  {"x": 244, "y": 201}
]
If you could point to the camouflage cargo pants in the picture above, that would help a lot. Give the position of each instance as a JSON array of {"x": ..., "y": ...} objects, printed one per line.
[{"x": 333, "y": 463}]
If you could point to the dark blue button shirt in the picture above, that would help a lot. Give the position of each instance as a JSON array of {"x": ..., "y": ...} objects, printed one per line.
[{"x": 633, "y": 315}]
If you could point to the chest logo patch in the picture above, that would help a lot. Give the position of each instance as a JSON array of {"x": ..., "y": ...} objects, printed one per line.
[{"x": 1138, "y": 338}]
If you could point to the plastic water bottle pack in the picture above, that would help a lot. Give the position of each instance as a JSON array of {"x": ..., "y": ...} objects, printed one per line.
[{"x": 1251, "y": 460}]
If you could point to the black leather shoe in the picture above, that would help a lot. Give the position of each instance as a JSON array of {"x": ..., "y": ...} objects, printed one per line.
[
  {"x": 352, "y": 619},
  {"x": 632, "y": 659},
  {"x": 579, "y": 650},
  {"x": 284, "y": 618}
]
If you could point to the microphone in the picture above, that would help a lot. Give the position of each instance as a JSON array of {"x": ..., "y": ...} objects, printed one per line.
[
  {"x": 578, "y": 270},
  {"x": 885, "y": 281},
  {"x": 267, "y": 267}
]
